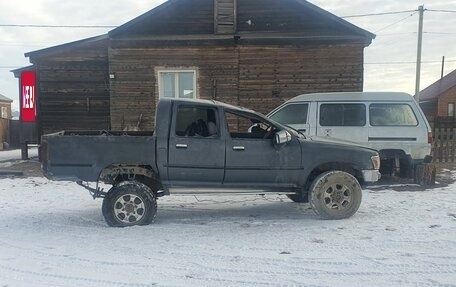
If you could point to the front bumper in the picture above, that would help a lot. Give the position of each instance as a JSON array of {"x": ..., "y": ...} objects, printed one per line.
[{"x": 371, "y": 175}]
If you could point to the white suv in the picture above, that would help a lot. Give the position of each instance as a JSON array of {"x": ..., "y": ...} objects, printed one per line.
[{"x": 391, "y": 123}]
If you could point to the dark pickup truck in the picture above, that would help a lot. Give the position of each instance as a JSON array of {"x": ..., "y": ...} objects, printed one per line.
[{"x": 204, "y": 146}]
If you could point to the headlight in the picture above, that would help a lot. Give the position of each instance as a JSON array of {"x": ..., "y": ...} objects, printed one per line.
[{"x": 376, "y": 161}]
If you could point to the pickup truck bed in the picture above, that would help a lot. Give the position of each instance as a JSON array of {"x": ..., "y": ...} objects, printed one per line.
[{"x": 82, "y": 155}]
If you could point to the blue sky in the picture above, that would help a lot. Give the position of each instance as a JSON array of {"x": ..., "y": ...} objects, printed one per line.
[{"x": 389, "y": 60}]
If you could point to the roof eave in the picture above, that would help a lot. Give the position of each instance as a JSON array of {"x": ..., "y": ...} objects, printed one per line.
[
  {"x": 140, "y": 18},
  {"x": 53, "y": 49},
  {"x": 345, "y": 23}
]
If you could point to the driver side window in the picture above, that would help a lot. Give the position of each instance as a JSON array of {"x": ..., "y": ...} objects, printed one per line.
[{"x": 240, "y": 126}]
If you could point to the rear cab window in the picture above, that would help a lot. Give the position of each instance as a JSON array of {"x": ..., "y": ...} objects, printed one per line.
[
  {"x": 342, "y": 114},
  {"x": 390, "y": 114}
]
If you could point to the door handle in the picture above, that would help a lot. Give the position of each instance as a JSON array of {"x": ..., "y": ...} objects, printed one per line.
[
  {"x": 239, "y": 148},
  {"x": 302, "y": 130},
  {"x": 181, "y": 146}
]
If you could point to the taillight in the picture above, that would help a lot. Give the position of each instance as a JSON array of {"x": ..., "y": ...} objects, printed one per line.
[{"x": 430, "y": 138}]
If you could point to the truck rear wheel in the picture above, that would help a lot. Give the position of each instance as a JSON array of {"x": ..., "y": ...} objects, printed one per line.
[
  {"x": 335, "y": 195},
  {"x": 129, "y": 203}
]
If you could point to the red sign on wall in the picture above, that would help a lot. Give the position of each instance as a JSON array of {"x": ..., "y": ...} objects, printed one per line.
[{"x": 28, "y": 96}]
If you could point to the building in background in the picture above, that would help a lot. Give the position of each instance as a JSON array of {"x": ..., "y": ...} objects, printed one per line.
[
  {"x": 253, "y": 53},
  {"x": 5, "y": 118},
  {"x": 439, "y": 99}
]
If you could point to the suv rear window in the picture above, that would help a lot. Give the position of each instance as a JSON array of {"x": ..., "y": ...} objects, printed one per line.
[
  {"x": 392, "y": 115},
  {"x": 291, "y": 114},
  {"x": 342, "y": 115}
]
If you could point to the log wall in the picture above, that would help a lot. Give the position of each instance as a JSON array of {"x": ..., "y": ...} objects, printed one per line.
[
  {"x": 73, "y": 89},
  {"x": 257, "y": 77}
]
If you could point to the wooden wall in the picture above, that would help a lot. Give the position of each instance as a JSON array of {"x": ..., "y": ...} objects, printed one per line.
[
  {"x": 73, "y": 88},
  {"x": 445, "y": 98},
  {"x": 256, "y": 77}
]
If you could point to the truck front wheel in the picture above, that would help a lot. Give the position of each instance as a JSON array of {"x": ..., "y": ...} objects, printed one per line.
[
  {"x": 335, "y": 195},
  {"x": 129, "y": 203}
]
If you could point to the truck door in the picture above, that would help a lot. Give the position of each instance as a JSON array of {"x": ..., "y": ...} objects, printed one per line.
[
  {"x": 196, "y": 152},
  {"x": 252, "y": 159}
]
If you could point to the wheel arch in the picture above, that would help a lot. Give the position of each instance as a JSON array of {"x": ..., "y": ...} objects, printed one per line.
[
  {"x": 116, "y": 173},
  {"x": 330, "y": 166}
]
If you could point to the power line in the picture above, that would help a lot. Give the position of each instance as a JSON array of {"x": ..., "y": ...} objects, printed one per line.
[
  {"x": 406, "y": 62},
  {"x": 445, "y": 11},
  {"x": 440, "y": 33},
  {"x": 56, "y": 26},
  {"x": 397, "y": 22},
  {"x": 379, "y": 14}
]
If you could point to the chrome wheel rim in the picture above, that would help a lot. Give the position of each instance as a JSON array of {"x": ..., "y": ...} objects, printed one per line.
[
  {"x": 338, "y": 197},
  {"x": 129, "y": 208}
]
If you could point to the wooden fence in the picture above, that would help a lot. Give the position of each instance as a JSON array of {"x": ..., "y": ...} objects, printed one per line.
[
  {"x": 444, "y": 144},
  {"x": 4, "y": 132}
]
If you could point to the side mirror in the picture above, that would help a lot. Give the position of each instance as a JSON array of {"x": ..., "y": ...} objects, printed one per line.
[{"x": 282, "y": 137}]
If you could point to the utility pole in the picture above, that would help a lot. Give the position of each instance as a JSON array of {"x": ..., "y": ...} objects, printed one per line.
[
  {"x": 443, "y": 67},
  {"x": 418, "y": 57}
]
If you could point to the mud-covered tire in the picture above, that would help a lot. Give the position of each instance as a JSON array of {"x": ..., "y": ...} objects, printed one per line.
[
  {"x": 335, "y": 195},
  {"x": 425, "y": 174},
  {"x": 299, "y": 197},
  {"x": 129, "y": 203}
]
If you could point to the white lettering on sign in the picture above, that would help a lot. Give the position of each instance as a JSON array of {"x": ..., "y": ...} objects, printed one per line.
[{"x": 28, "y": 97}]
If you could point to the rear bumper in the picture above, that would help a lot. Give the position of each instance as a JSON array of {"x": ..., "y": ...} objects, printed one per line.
[{"x": 371, "y": 175}]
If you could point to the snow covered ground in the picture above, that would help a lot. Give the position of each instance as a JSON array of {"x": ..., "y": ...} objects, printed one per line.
[
  {"x": 15, "y": 154},
  {"x": 53, "y": 234}
]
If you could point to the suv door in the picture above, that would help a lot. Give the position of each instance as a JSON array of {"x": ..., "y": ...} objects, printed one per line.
[
  {"x": 196, "y": 151},
  {"x": 346, "y": 121},
  {"x": 252, "y": 158}
]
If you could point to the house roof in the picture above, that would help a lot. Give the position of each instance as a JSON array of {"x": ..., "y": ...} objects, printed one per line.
[
  {"x": 433, "y": 91},
  {"x": 337, "y": 19},
  {"x": 141, "y": 18},
  {"x": 295, "y": 24},
  {"x": 17, "y": 72},
  {"x": 5, "y": 99},
  {"x": 58, "y": 48}
]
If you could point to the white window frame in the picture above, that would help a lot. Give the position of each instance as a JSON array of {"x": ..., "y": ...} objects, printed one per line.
[
  {"x": 451, "y": 109},
  {"x": 4, "y": 112},
  {"x": 176, "y": 81}
]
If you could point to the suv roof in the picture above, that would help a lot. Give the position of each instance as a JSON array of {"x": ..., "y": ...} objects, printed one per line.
[{"x": 353, "y": 96}]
